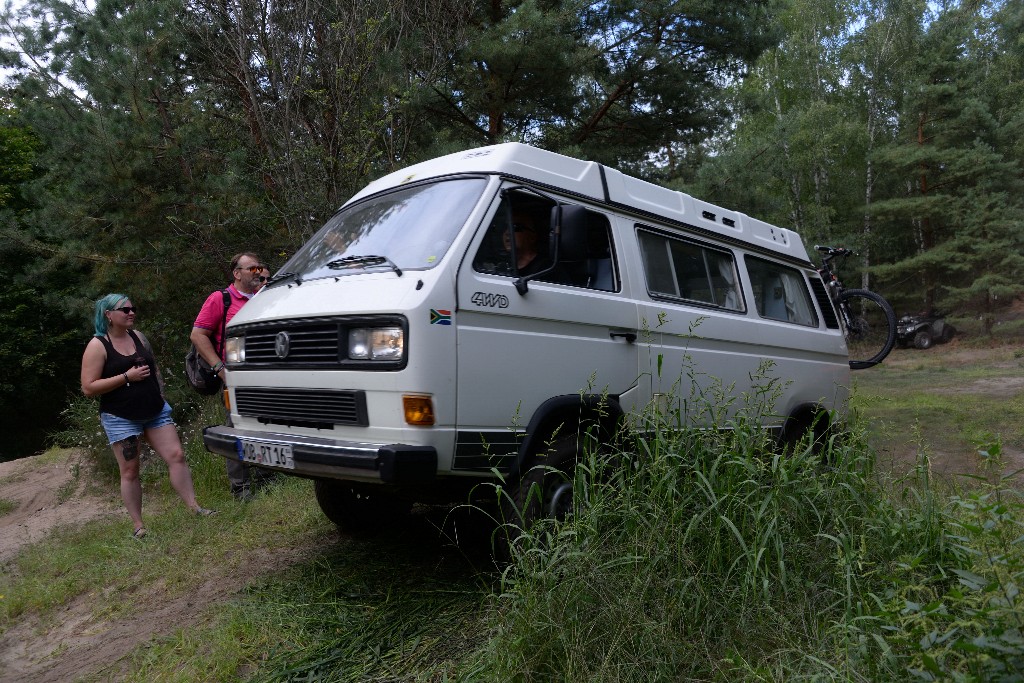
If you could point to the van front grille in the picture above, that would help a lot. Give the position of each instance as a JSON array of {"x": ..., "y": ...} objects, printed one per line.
[
  {"x": 318, "y": 343},
  {"x": 318, "y": 408},
  {"x": 313, "y": 343}
]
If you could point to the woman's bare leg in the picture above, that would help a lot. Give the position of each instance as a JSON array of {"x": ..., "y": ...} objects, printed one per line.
[
  {"x": 167, "y": 445},
  {"x": 131, "y": 487}
]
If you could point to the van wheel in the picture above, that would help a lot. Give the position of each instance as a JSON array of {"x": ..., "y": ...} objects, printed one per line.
[
  {"x": 817, "y": 424},
  {"x": 546, "y": 489},
  {"x": 358, "y": 510},
  {"x": 544, "y": 492}
]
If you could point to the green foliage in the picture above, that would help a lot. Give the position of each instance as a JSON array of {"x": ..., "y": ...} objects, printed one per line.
[
  {"x": 963, "y": 622},
  {"x": 82, "y": 429},
  {"x": 686, "y": 547},
  {"x": 959, "y": 215},
  {"x": 613, "y": 82},
  {"x": 701, "y": 556},
  {"x": 39, "y": 354},
  {"x": 18, "y": 149}
]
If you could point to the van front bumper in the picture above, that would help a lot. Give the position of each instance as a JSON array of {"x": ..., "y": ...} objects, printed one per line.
[{"x": 326, "y": 458}]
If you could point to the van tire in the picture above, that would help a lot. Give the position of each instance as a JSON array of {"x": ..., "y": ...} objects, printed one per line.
[
  {"x": 358, "y": 510},
  {"x": 817, "y": 423},
  {"x": 544, "y": 491},
  {"x": 540, "y": 494}
]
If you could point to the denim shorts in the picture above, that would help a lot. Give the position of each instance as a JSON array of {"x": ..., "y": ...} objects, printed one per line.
[{"x": 120, "y": 428}]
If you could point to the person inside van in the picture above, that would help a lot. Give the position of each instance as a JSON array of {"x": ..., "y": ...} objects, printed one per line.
[{"x": 524, "y": 232}]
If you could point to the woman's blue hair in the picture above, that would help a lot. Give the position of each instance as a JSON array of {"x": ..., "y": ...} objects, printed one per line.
[{"x": 107, "y": 303}]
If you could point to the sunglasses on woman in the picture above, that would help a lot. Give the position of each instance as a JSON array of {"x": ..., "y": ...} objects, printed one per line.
[{"x": 127, "y": 309}]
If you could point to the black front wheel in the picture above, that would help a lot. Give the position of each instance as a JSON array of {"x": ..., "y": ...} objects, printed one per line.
[
  {"x": 359, "y": 510},
  {"x": 870, "y": 327},
  {"x": 546, "y": 488},
  {"x": 545, "y": 491}
]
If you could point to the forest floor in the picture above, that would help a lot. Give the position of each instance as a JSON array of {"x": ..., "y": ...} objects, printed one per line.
[{"x": 48, "y": 492}]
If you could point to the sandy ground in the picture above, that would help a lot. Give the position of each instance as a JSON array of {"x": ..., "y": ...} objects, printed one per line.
[
  {"x": 952, "y": 461},
  {"x": 47, "y": 494},
  {"x": 74, "y": 641}
]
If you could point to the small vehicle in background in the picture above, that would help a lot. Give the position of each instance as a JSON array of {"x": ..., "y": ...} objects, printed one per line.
[{"x": 923, "y": 331}]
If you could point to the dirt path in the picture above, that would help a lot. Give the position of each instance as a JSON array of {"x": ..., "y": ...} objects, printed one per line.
[
  {"x": 51, "y": 491},
  {"x": 938, "y": 371},
  {"x": 47, "y": 491}
]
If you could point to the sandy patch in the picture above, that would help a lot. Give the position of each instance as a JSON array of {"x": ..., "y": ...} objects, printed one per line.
[{"x": 48, "y": 492}]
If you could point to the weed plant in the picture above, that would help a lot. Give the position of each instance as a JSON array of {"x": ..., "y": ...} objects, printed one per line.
[{"x": 707, "y": 554}]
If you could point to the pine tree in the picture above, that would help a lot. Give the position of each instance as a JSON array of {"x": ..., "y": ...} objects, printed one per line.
[
  {"x": 953, "y": 223},
  {"x": 620, "y": 82}
]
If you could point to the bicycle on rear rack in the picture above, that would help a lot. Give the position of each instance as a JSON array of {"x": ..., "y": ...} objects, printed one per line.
[{"x": 868, "y": 320}]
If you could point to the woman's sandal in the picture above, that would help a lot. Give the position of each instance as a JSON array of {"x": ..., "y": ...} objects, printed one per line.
[
  {"x": 139, "y": 533},
  {"x": 205, "y": 512}
]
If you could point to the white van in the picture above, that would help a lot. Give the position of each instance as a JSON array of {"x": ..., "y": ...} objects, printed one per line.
[{"x": 403, "y": 355}]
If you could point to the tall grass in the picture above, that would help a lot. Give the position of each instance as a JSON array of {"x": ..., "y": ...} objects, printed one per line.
[{"x": 708, "y": 555}]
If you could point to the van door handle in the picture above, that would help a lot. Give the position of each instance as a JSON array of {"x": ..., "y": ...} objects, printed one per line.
[{"x": 630, "y": 337}]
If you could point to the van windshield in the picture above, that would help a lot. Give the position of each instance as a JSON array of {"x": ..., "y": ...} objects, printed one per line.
[{"x": 411, "y": 228}]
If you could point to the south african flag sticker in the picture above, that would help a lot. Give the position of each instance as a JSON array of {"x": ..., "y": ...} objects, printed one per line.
[{"x": 440, "y": 317}]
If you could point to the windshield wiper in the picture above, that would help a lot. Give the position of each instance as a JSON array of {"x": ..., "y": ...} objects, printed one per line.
[
  {"x": 281, "y": 277},
  {"x": 363, "y": 261}
]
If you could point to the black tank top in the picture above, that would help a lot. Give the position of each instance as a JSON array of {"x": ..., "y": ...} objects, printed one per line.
[{"x": 141, "y": 400}]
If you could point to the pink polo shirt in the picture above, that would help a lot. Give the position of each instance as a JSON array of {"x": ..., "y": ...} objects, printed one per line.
[{"x": 212, "y": 312}]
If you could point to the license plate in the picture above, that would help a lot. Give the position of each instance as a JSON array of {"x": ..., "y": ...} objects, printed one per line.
[{"x": 266, "y": 453}]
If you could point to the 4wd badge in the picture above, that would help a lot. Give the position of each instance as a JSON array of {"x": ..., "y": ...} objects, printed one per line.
[{"x": 489, "y": 300}]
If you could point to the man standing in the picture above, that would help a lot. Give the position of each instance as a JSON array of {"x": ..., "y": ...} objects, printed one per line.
[{"x": 247, "y": 272}]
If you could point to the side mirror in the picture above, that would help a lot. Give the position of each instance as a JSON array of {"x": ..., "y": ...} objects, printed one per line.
[{"x": 570, "y": 232}]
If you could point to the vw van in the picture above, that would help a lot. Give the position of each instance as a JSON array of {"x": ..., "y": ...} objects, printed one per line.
[{"x": 405, "y": 353}]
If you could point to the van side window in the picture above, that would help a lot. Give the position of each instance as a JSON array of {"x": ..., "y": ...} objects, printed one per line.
[
  {"x": 526, "y": 223},
  {"x": 685, "y": 270},
  {"x": 780, "y": 292},
  {"x": 526, "y": 220}
]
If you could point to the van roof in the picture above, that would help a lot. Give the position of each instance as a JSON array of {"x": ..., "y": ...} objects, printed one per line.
[{"x": 601, "y": 184}]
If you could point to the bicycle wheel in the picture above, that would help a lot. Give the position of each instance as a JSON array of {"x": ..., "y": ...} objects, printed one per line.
[{"x": 870, "y": 327}]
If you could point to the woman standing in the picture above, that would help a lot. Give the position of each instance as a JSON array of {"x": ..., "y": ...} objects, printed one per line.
[{"x": 119, "y": 367}]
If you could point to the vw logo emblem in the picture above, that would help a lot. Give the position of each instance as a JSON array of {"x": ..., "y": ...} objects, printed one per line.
[{"x": 282, "y": 344}]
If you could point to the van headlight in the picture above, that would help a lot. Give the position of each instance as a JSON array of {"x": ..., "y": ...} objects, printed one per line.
[
  {"x": 376, "y": 343},
  {"x": 234, "y": 350}
]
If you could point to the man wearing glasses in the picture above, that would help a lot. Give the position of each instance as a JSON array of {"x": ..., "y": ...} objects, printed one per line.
[{"x": 249, "y": 275}]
